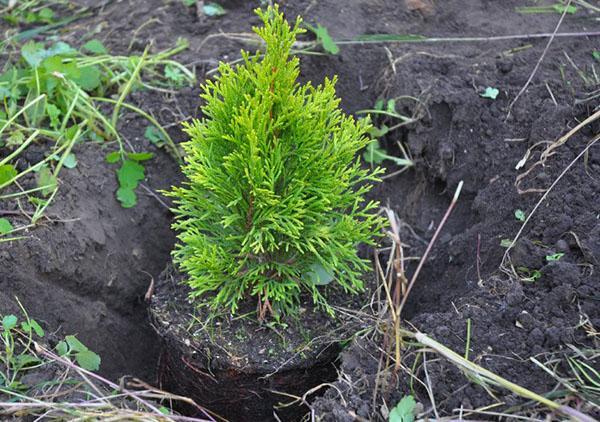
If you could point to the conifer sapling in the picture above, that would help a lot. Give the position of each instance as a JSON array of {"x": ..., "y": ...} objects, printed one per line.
[{"x": 273, "y": 204}]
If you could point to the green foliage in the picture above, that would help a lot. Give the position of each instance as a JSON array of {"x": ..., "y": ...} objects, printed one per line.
[
  {"x": 5, "y": 226},
  {"x": 554, "y": 257},
  {"x": 520, "y": 215},
  {"x": 324, "y": 38},
  {"x": 404, "y": 411},
  {"x": 213, "y": 9},
  {"x": 274, "y": 199},
  {"x": 30, "y": 12},
  {"x": 51, "y": 93},
  {"x": 374, "y": 153},
  {"x": 18, "y": 354},
  {"x": 552, "y": 8},
  {"x": 490, "y": 92},
  {"x": 84, "y": 357}
]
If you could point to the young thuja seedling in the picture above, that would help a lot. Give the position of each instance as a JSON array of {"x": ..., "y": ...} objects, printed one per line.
[{"x": 274, "y": 199}]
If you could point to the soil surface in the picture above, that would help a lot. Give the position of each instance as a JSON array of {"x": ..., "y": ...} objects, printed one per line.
[
  {"x": 234, "y": 365},
  {"x": 88, "y": 269}
]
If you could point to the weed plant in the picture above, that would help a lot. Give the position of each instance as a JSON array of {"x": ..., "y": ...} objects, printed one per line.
[{"x": 52, "y": 95}]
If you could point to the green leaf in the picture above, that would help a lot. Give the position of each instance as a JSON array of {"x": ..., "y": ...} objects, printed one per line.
[
  {"x": 70, "y": 161},
  {"x": 46, "y": 14},
  {"x": 164, "y": 410},
  {"x": 404, "y": 411},
  {"x": 89, "y": 78},
  {"x": 188, "y": 3},
  {"x": 5, "y": 226},
  {"x": 140, "y": 156},
  {"x": 318, "y": 275},
  {"x": 174, "y": 74},
  {"x": 213, "y": 9},
  {"x": 62, "y": 348},
  {"x": 520, "y": 215},
  {"x": 94, "y": 46},
  {"x": 505, "y": 243},
  {"x": 7, "y": 173},
  {"x": 491, "y": 93},
  {"x": 61, "y": 48},
  {"x": 561, "y": 8},
  {"x": 391, "y": 106},
  {"x": 9, "y": 322},
  {"x": 554, "y": 257},
  {"x": 15, "y": 139},
  {"x": 596, "y": 55},
  {"x": 378, "y": 132},
  {"x": 374, "y": 154},
  {"x": 75, "y": 345},
  {"x": 325, "y": 39},
  {"x": 46, "y": 179},
  {"x": 36, "y": 327},
  {"x": 154, "y": 135},
  {"x": 33, "y": 53},
  {"x": 127, "y": 197},
  {"x": 25, "y": 360},
  {"x": 53, "y": 113},
  {"x": 113, "y": 157},
  {"x": 378, "y": 105},
  {"x": 130, "y": 174},
  {"x": 35, "y": 112},
  {"x": 88, "y": 360}
]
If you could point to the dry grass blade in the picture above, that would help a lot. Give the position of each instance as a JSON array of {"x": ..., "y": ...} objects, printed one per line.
[
  {"x": 551, "y": 150},
  {"x": 492, "y": 378},
  {"x": 540, "y": 60},
  {"x": 506, "y": 256}
]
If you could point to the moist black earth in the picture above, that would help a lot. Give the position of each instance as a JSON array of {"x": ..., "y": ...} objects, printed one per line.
[{"x": 88, "y": 269}]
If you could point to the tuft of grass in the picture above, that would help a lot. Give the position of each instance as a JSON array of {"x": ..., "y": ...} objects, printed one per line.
[
  {"x": 55, "y": 95},
  {"x": 66, "y": 386},
  {"x": 390, "y": 120}
]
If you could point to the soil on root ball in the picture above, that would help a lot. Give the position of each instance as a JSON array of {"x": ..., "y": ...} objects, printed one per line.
[{"x": 239, "y": 368}]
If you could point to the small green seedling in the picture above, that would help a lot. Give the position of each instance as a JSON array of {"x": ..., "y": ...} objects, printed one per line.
[
  {"x": 16, "y": 352},
  {"x": 404, "y": 411},
  {"x": 323, "y": 38},
  {"x": 490, "y": 92},
  {"x": 5, "y": 226},
  {"x": 374, "y": 153},
  {"x": 155, "y": 136},
  {"x": 27, "y": 12},
  {"x": 527, "y": 275},
  {"x": 213, "y": 9},
  {"x": 596, "y": 55},
  {"x": 129, "y": 175},
  {"x": 520, "y": 215},
  {"x": 554, "y": 257},
  {"x": 72, "y": 347}
]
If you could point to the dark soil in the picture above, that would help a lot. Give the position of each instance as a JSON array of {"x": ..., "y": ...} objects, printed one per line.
[
  {"x": 233, "y": 364},
  {"x": 90, "y": 275}
]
